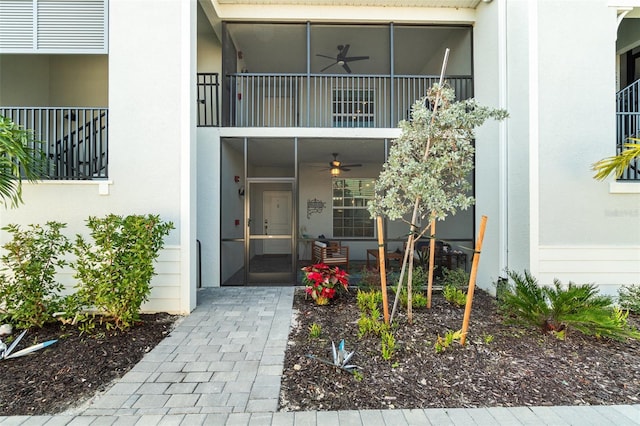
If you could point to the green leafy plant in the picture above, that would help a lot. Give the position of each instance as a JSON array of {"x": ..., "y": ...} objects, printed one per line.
[
  {"x": 454, "y": 295},
  {"x": 368, "y": 300},
  {"x": 315, "y": 330},
  {"x": 487, "y": 338},
  {"x": 21, "y": 157},
  {"x": 370, "y": 325},
  {"x": 457, "y": 278},
  {"x": 388, "y": 345},
  {"x": 443, "y": 343},
  {"x": 114, "y": 272},
  {"x": 629, "y": 297},
  {"x": 357, "y": 375},
  {"x": 502, "y": 288},
  {"x": 553, "y": 309},
  {"x": 369, "y": 303},
  {"x": 418, "y": 299},
  {"x": 369, "y": 279},
  {"x": 29, "y": 292}
]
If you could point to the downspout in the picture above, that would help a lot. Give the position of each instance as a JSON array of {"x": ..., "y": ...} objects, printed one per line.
[
  {"x": 534, "y": 135},
  {"x": 503, "y": 146}
]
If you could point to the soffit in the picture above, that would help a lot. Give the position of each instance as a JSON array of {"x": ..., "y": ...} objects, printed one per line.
[{"x": 472, "y": 4}]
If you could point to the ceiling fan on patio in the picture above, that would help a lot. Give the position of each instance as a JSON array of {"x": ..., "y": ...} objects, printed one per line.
[
  {"x": 341, "y": 58},
  {"x": 335, "y": 166}
]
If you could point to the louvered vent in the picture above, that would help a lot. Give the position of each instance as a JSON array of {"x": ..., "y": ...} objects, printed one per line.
[
  {"x": 59, "y": 26},
  {"x": 16, "y": 24}
]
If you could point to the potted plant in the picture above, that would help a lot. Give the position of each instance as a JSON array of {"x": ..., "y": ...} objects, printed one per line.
[{"x": 321, "y": 280}]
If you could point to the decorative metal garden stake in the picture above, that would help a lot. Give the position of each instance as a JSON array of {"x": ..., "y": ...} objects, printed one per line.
[
  {"x": 472, "y": 280},
  {"x": 340, "y": 358},
  {"x": 5, "y": 353}
]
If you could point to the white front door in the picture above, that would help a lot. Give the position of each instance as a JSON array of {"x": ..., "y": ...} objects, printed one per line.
[{"x": 276, "y": 207}]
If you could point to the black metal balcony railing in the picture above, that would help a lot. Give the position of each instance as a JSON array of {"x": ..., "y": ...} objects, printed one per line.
[
  {"x": 628, "y": 125},
  {"x": 75, "y": 140},
  {"x": 298, "y": 100},
  {"x": 208, "y": 100}
]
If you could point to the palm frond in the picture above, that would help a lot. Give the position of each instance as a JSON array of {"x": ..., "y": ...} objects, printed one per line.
[{"x": 617, "y": 164}]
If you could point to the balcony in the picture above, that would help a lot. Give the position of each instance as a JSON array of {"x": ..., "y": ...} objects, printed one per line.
[
  {"x": 321, "y": 100},
  {"x": 628, "y": 125},
  {"x": 75, "y": 140}
]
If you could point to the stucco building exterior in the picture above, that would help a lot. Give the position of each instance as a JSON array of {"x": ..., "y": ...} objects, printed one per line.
[{"x": 223, "y": 116}]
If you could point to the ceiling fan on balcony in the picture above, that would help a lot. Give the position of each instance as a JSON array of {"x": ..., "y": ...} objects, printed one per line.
[
  {"x": 342, "y": 59},
  {"x": 335, "y": 166}
]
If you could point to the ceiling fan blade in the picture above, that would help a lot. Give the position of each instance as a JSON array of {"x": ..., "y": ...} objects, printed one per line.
[
  {"x": 346, "y": 68},
  {"x": 344, "y": 169},
  {"x": 325, "y": 56},
  {"x": 327, "y": 67},
  {"x": 344, "y": 50},
  {"x": 356, "y": 58},
  {"x": 352, "y": 165}
]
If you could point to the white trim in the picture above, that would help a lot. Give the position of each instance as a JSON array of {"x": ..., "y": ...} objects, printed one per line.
[
  {"x": 188, "y": 172},
  {"x": 534, "y": 178},
  {"x": 103, "y": 185},
  {"x": 624, "y": 187},
  {"x": 604, "y": 265},
  {"x": 322, "y": 13},
  {"x": 503, "y": 146},
  {"x": 310, "y": 132},
  {"x": 623, "y": 3}
]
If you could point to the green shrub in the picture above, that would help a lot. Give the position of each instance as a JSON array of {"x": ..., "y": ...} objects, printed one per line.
[
  {"x": 368, "y": 300},
  {"x": 370, "y": 325},
  {"x": 419, "y": 278},
  {"x": 29, "y": 293},
  {"x": 557, "y": 308},
  {"x": 387, "y": 345},
  {"x": 629, "y": 298},
  {"x": 456, "y": 278},
  {"x": 115, "y": 272},
  {"x": 315, "y": 330},
  {"x": 418, "y": 298},
  {"x": 442, "y": 343},
  {"x": 454, "y": 295},
  {"x": 369, "y": 279}
]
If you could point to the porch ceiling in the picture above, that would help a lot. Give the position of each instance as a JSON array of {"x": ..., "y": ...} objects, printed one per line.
[
  {"x": 273, "y": 153},
  {"x": 472, "y": 4}
]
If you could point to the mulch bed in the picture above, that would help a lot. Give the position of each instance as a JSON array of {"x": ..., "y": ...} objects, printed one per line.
[
  {"x": 72, "y": 370},
  {"x": 500, "y": 365}
]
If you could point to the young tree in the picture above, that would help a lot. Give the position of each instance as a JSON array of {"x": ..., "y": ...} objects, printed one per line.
[
  {"x": 20, "y": 158},
  {"x": 426, "y": 175}
]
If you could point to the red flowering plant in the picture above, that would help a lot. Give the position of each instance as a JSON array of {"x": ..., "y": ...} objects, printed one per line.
[{"x": 321, "y": 280}]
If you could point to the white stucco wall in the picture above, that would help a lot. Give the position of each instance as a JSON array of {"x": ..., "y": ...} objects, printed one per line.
[
  {"x": 54, "y": 80},
  {"x": 560, "y": 222},
  {"x": 577, "y": 128},
  {"x": 151, "y": 135}
]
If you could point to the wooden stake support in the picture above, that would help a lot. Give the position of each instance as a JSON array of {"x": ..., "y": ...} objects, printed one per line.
[
  {"x": 432, "y": 256},
  {"x": 382, "y": 259},
  {"x": 472, "y": 280}
]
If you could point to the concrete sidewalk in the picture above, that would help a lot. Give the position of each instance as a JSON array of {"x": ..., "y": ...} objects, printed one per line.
[{"x": 222, "y": 366}]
